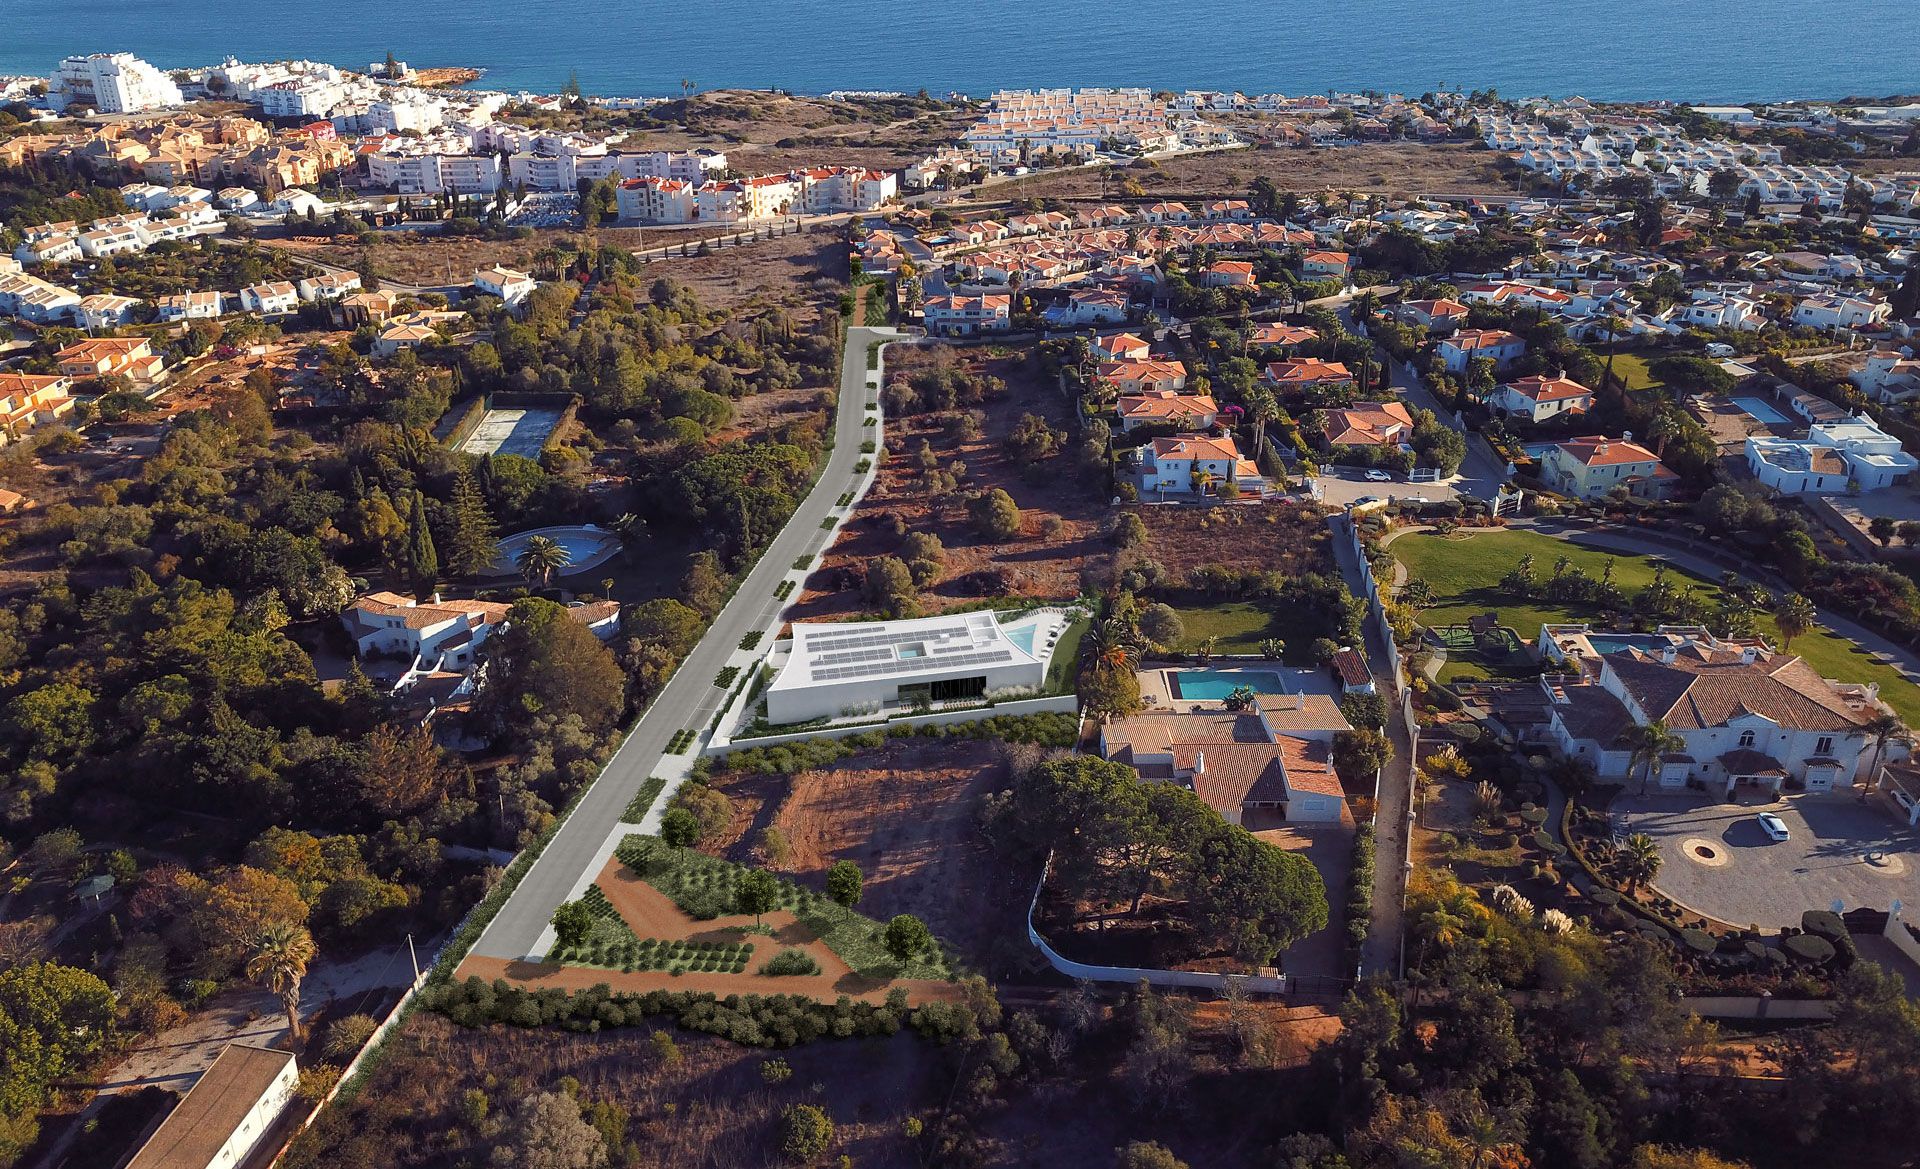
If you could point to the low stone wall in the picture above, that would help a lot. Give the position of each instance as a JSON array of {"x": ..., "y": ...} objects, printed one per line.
[
  {"x": 1133, "y": 976},
  {"x": 1758, "y": 1007}
]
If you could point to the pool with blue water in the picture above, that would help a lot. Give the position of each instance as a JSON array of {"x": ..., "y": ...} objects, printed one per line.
[{"x": 1215, "y": 685}]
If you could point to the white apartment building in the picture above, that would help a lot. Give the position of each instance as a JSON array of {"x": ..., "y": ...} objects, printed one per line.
[
  {"x": 33, "y": 299},
  {"x": 112, "y": 241},
  {"x": 49, "y": 249},
  {"x": 409, "y": 168},
  {"x": 112, "y": 83},
  {"x": 657, "y": 200}
]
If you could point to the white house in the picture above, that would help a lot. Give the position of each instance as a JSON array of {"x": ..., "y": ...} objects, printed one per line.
[
  {"x": 271, "y": 298},
  {"x": 1712, "y": 310},
  {"x": 104, "y": 310},
  {"x": 440, "y": 634},
  {"x": 1888, "y": 376},
  {"x": 1841, "y": 312},
  {"x": 103, "y": 242},
  {"x": 862, "y": 667},
  {"x": 191, "y": 306},
  {"x": 62, "y": 248},
  {"x": 1745, "y": 714},
  {"x": 1540, "y": 398},
  {"x": 235, "y": 199},
  {"x": 510, "y": 286},
  {"x": 1094, "y": 306},
  {"x": 963, "y": 316},
  {"x": 331, "y": 286},
  {"x": 1497, "y": 345},
  {"x": 226, "y": 1113},
  {"x": 1195, "y": 464},
  {"x": 1849, "y": 456},
  {"x": 33, "y": 299}
]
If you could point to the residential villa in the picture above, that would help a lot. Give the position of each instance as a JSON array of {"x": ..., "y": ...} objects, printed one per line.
[
  {"x": 130, "y": 357},
  {"x": 1841, "y": 312},
  {"x": 1538, "y": 399},
  {"x": 1594, "y": 466},
  {"x": 1888, "y": 376},
  {"x": 1271, "y": 763},
  {"x": 1850, "y": 456},
  {"x": 191, "y": 306},
  {"x": 1746, "y": 715},
  {"x": 831, "y": 669},
  {"x": 1275, "y": 335},
  {"x": 1092, "y": 306},
  {"x": 1195, "y": 464},
  {"x": 510, "y": 286},
  {"x": 331, "y": 286},
  {"x": 965, "y": 316},
  {"x": 1144, "y": 377},
  {"x": 1459, "y": 351},
  {"x": 1228, "y": 274},
  {"x": 442, "y": 635},
  {"x": 1191, "y": 412},
  {"x": 1435, "y": 316},
  {"x": 28, "y": 400},
  {"x": 104, "y": 310},
  {"x": 1373, "y": 424},
  {"x": 1306, "y": 373},
  {"x": 272, "y": 298},
  {"x": 1324, "y": 265},
  {"x": 1120, "y": 347}
]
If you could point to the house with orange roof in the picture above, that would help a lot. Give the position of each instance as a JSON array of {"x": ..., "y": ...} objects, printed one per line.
[
  {"x": 1279, "y": 335},
  {"x": 28, "y": 400},
  {"x": 1120, "y": 347},
  {"x": 1168, "y": 213},
  {"x": 1306, "y": 372},
  {"x": 1228, "y": 274},
  {"x": 1195, "y": 464},
  {"x": 1435, "y": 316},
  {"x": 1459, "y": 351},
  {"x": 1375, "y": 424},
  {"x": 1268, "y": 764},
  {"x": 1593, "y": 466},
  {"x": 1322, "y": 265},
  {"x": 967, "y": 316},
  {"x": 130, "y": 357},
  {"x": 439, "y": 634},
  {"x": 1167, "y": 408},
  {"x": 1229, "y": 209},
  {"x": 1141, "y": 377},
  {"x": 1539, "y": 398}
]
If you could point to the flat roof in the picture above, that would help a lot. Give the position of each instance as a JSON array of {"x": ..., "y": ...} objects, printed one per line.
[
  {"x": 853, "y": 651},
  {"x": 213, "y": 1108}
]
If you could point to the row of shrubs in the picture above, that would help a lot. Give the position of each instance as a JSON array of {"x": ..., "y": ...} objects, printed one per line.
[
  {"x": 780, "y": 1020},
  {"x": 651, "y": 954},
  {"x": 1047, "y": 729},
  {"x": 1359, "y": 892}
]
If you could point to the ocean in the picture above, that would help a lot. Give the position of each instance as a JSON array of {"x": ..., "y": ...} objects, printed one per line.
[{"x": 1695, "y": 50}]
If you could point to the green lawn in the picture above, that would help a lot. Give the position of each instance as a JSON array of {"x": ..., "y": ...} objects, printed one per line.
[
  {"x": 1237, "y": 627},
  {"x": 1064, "y": 667},
  {"x": 1631, "y": 369},
  {"x": 1465, "y": 574}
]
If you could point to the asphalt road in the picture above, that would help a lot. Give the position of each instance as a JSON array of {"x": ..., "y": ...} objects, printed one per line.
[{"x": 690, "y": 699}]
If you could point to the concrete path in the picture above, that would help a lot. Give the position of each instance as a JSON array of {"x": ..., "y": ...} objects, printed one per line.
[{"x": 690, "y": 700}]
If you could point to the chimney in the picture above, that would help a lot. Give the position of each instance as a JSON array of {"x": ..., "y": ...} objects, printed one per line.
[
  {"x": 1668, "y": 654},
  {"x": 1749, "y": 655},
  {"x": 436, "y": 596},
  {"x": 1200, "y": 763}
]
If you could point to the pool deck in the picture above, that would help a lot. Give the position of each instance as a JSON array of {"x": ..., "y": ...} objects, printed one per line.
[{"x": 1156, "y": 687}]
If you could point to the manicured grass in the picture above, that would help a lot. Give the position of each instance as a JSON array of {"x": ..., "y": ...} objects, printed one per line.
[
  {"x": 1467, "y": 662},
  {"x": 1237, "y": 627},
  {"x": 643, "y": 799},
  {"x": 1065, "y": 666},
  {"x": 1633, "y": 372},
  {"x": 1465, "y": 574}
]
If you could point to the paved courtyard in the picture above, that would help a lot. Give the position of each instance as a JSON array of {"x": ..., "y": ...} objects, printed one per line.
[{"x": 1716, "y": 860}]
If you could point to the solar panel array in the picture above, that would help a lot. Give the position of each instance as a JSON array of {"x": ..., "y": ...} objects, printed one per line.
[
  {"x": 880, "y": 669},
  {"x": 836, "y": 656}
]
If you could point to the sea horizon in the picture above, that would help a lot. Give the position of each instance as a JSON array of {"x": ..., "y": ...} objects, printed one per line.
[{"x": 1632, "y": 50}]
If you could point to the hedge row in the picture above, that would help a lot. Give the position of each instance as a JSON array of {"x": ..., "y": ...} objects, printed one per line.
[
  {"x": 779, "y": 1020},
  {"x": 1359, "y": 892},
  {"x": 1049, "y": 729}
]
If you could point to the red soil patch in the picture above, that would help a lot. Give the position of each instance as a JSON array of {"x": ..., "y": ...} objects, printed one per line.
[{"x": 1287, "y": 538}]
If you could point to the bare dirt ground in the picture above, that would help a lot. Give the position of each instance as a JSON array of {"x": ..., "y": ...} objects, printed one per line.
[
  {"x": 907, "y": 814},
  {"x": 1383, "y": 167},
  {"x": 805, "y": 269},
  {"x": 649, "y": 913},
  {"x": 1287, "y": 538},
  {"x": 1061, "y": 505}
]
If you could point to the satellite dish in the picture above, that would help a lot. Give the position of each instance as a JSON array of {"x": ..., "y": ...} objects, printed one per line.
[{"x": 1838, "y": 906}]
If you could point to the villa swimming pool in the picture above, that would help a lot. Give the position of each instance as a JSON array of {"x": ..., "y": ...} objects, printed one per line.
[
  {"x": 1613, "y": 643},
  {"x": 1022, "y": 636},
  {"x": 586, "y": 546},
  {"x": 1761, "y": 409},
  {"x": 1215, "y": 685}
]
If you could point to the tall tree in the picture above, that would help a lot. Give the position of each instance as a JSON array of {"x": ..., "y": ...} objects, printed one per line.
[
  {"x": 469, "y": 540},
  {"x": 423, "y": 563},
  {"x": 279, "y": 962}
]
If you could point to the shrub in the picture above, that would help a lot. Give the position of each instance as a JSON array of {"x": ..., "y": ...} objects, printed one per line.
[
  {"x": 1809, "y": 948},
  {"x": 789, "y": 962},
  {"x": 805, "y": 1132}
]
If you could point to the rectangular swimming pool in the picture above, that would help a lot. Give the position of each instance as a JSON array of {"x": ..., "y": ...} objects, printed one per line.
[
  {"x": 1215, "y": 685},
  {"x": 1613, "y": 643},
  {"x": 1761, "y": 409}
]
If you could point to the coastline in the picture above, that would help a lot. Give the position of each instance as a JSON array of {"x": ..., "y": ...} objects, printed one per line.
[{"x": 446, "y": 77}]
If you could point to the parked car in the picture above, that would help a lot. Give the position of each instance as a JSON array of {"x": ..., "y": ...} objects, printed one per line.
[
  {"x": 1366, "y": 501},
  {"x": 1773, "y": 826},
  {"x": 1378, "y": 476}
]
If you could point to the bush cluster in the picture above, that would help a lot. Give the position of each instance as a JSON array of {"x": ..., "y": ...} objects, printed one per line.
[
  {"x": 1359, "y": 892},
  {"x": 1049, "y": 729},
  {"x": 791, "y": 961}
]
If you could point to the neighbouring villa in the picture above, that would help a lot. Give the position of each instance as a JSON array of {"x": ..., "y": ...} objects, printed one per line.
[
  {"x": 1746, "y": 714},
  {"x": 1496, "y": 345},
  {"x": 848, "y": 669},
  {"x": 1854, "y": 455},
  {"x": 1368, "y": 424},
  {"x": 1195, "y": 464},
  {"x": 1165, "y": 407},
  {"x": 1269, "y": 763},
  {"x": 443, "y": 636},
  {"x": 1593, "y": 466},
  {"x": 1539, "y": 398}
]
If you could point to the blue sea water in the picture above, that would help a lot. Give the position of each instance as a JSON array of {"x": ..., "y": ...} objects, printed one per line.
[{"x": 1698, "y": 50}]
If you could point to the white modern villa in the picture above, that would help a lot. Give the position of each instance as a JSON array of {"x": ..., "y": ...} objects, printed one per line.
[
  {"x": 1835, "y": 457},
  {"x": 867, "y": 667}
]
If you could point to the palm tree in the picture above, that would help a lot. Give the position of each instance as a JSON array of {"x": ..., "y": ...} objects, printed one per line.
[
  {"x": 1240, "y": 698},
  {"x": 1112, "y": 645},
  {"x": 629, "y": 529},
  {"x": 1882, "y": 729},
  {"x": 1639, "y": 857},
  {"x": 541, "y": 557},
  {"x": 279, "y": 962},
  {"x": 1650, "y": 742},
  {"x": 1794, "y": 615}
]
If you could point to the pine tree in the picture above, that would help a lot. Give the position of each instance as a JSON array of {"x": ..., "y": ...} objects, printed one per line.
[
  {"x": 470, "y": 541},
  {"x": 423, "y": 564}
]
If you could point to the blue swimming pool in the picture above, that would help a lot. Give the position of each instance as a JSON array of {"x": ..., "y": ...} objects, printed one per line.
[
  {"x": 1022, "y": 636},
  {"x": 1214, "y": 685},
  {"x": 1759, "y": 408},
  {"x": 1613, "y": 643}
]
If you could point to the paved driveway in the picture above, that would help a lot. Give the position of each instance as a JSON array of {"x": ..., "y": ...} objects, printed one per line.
[
  {"x": 1340, "y": 486},
  {"x": 1748, "y": 878}
]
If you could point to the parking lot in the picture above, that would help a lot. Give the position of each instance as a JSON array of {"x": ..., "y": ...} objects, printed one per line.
[
  {"x": 1340, "y": 486},
  {"x": 1716, "y": 860}
]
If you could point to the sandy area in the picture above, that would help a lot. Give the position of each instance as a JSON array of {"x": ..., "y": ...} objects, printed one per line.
[{"x": 651, "y": 914}]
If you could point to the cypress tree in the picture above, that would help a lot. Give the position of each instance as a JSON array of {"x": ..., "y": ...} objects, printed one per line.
[
  {"x": 423, "y": 564},
  {"x": 471, "y": 545}
]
